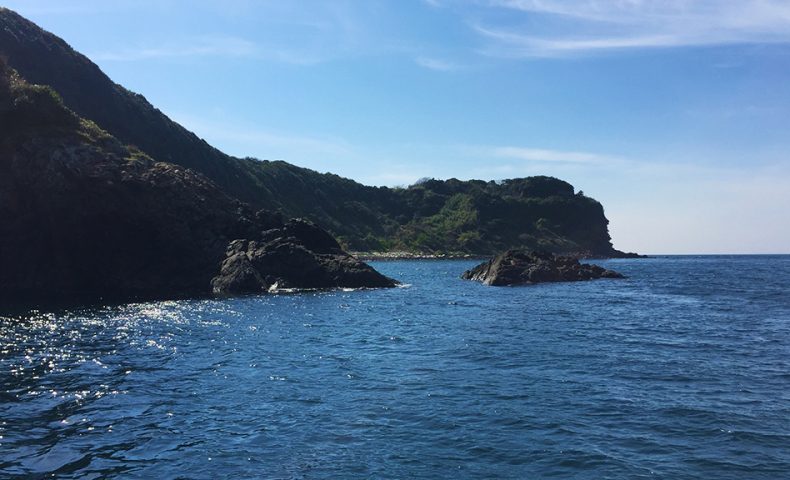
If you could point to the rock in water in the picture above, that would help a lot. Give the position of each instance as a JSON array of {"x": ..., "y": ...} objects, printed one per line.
[
  {"x": 297, "y": 255},
  {"x": 516, "y": 267}
]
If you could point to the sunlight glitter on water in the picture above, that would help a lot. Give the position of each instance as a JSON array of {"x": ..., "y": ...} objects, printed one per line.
[{"x": 656, "y": 375}]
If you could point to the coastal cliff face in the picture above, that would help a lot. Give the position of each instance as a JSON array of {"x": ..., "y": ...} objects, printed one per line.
[
  {"x": 83, "y": 216},
  {"x": 430, "y": 217}
]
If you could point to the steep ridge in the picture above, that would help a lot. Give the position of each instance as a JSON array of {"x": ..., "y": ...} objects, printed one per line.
[
  {"x": 83, "y": 216},
  {"x": 435, "y": 216},
  {"x": 43, "y": 58}
]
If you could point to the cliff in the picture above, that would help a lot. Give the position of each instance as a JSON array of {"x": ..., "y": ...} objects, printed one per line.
[
  {"x": 83, "y": 216},
  {"x": 432, "y": 217}
]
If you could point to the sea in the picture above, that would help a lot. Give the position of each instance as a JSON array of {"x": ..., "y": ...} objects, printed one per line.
[{"x": 680, "y": 371}]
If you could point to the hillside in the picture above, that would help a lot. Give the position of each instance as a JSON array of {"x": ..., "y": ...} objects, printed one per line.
[
  {"x": 81, "y": 212},
  {"x": 435, "y": 216},
  {"x": 84, "y": 217}
]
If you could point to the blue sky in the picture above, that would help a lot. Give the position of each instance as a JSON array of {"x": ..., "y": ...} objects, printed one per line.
[{"x": 673, "y": 113}]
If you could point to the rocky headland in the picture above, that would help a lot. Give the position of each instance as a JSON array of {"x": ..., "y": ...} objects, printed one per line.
[
  {"x": 429, "y": 218},
  {"x": 85, "y": 217},
  {"x": 102, "y": 196}
]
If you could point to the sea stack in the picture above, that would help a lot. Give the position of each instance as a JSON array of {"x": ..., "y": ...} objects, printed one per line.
[
  {"x": 298, "y": 255},
  {"x": 518, "y": 267}
]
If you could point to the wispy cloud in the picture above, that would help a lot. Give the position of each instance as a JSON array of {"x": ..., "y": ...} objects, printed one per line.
[
  {"x": 396, "y": 175},
  {"x": 517, "y": 45},
  {"x": 541, "y": 155},
  {"x": 243, "y": 140},
  {"x": 229, "y": 47},
  {"x": 433, "y": 3},
  {"x": 584, "y": 26},
  {"x": 193, "y": 47},
  {"x": 436, "y": 64}
]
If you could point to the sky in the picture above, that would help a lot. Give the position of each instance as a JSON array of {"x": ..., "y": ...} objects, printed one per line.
[{"x": 674, "y": 114}]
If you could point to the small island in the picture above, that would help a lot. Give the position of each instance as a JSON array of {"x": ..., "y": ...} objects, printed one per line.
[{"x": 518, "y": 267}]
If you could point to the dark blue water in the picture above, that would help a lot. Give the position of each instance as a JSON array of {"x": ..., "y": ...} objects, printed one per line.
[{"x": 680, "y": 371}]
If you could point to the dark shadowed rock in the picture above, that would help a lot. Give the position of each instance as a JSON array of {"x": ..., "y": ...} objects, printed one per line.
[
  {"x": 297, "y": 255},
  {"x": 516, "y": 267},
  {"x": 84, "y": 217}
]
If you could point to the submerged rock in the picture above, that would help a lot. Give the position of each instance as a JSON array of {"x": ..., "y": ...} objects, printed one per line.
[
  {"x": 298, "y": 255},
  {"x": 515, "y": 267}
]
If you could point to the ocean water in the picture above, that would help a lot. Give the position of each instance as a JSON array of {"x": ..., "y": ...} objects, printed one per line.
[{"x": 680, "y": 371}]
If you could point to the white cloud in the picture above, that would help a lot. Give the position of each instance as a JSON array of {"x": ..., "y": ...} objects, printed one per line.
[
  {"x": 546, "y": 156},
  {"x": 579, "y": 26},
  {"x": 394, "y": 175},
  {"x": 207, "y": 47},
  {"x": 436, "y": 64},
  {"x": 245, "y": 140}
]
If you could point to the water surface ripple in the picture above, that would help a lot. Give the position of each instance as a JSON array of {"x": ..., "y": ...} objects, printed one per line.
[{"x": 680, "y": 371}]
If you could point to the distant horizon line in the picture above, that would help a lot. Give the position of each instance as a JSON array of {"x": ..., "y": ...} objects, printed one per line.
[{"x": 711, "y": 254}]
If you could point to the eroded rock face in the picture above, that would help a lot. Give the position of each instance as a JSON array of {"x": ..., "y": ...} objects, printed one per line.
[
  {"x": 517, "y": 267},
  {"x": 297, "y": 255},
  {"x": 85, "y": 218}
]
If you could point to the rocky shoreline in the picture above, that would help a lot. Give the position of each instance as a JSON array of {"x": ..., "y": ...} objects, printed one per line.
[{"x": 403, "y": 255}]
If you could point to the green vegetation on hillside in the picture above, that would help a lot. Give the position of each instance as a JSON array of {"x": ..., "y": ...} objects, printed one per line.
[
  {"x": 429, "y": 217},
  {"x": 84, "y": 216}
]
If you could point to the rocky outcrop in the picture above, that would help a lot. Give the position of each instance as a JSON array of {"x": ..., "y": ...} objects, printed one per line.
[
  {"x": 298, "y": 255},
  {"x": 84, "y": 217},
  {"x": 516, "y": 267}
]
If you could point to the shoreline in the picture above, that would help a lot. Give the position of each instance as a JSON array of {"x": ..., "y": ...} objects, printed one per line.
[
  {"x": 371, "y": 256},
  {"x": 403, "y": 255}
]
